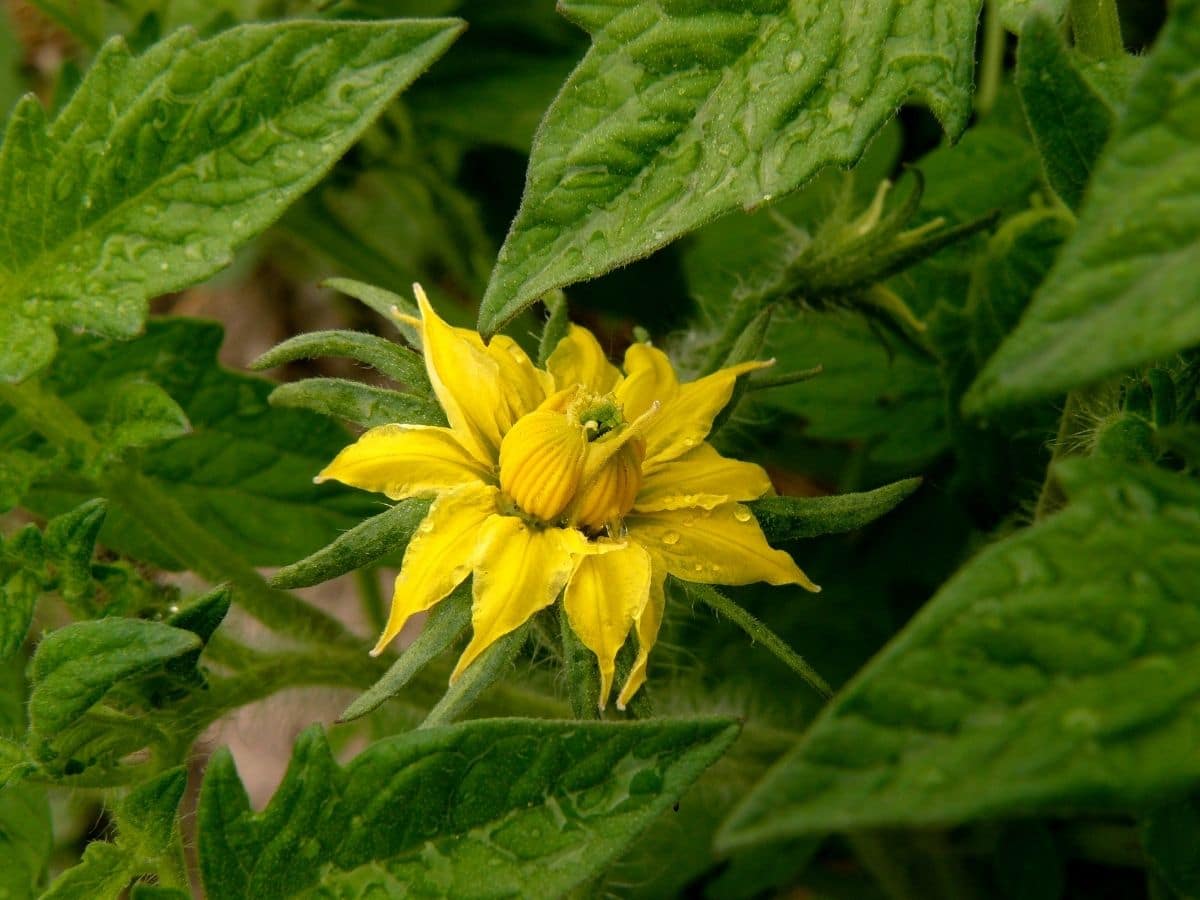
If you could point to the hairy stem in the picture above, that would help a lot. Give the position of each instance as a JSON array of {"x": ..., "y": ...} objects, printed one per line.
[
  {"x": 177, "y": 534},
  {"x": 991, "y": 63},
  {"x": 1052, "y": 498}
]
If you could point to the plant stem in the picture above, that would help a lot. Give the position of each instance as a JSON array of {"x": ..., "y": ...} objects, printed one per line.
[
  {"x": 742, "y": 315},
  {"x": 1097, "y": 28},
  {"x": 177, "y": 534},
  {"x": 991, "y": 63}
]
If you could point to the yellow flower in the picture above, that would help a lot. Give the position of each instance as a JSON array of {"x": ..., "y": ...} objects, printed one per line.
[{"x": 577, "y": 480}]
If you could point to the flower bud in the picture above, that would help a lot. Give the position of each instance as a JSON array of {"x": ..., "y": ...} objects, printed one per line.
[
  {"x": 541, "y": 462},
  {"x": 611, "y": 493}
]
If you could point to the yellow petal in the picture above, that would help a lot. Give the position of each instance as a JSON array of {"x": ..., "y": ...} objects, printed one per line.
[
  {"x": 518, "y": 571},
  {"x": 406, "y": 461},
  {"x": 723, "y": 545},
  {"x": 647, "y": 622},
  {"x": 649, "y": 377},
  {"x": 687, "y": 418},
  {"x": 702, "y": 477},
  {"x": 578, "y": 359},
  {"x": 483, "y": 389},
  {"x": 603, "y": 596},
  {"x": 439, "y": 556}
]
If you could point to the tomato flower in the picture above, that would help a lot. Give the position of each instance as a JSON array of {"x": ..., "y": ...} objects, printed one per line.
[{"x": 577, "y": 480}]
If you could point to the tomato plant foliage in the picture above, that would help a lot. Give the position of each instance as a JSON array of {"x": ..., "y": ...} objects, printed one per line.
[{"x": 965, "y": 235}]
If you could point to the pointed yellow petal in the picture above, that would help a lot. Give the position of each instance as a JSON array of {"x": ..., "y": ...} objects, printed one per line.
[
  {"x": 723, "y": 545},
  {"x": 649, "y": 377},
  {"x": 702, "y": 477},
  {"x": 647, "y": 622},
  {"x": 687, "y": 418},
  {"x": 406, "y": 461},
  {"x": 482, "y": 389},
  {"x": 518, "y": 571},
  {"x": 578, "y": 359},
  {"x": 439, "y": 556},
  {"x": 603, "y": 596}
]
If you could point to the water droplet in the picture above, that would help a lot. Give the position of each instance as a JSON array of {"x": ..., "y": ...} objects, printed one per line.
[
  {"x": 793, "y": 61},
  {"x": 742, "y": 514},
  {"x": 699, "y": 567},
  {"x": 671, "y": 538}
]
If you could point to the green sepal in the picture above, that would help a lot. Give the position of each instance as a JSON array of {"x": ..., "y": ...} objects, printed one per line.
[
  {"x": 756, "y": 630},
  {"x": 388, "y": 358},
  {"x": 748, "y": 346},
  {"x": 446, "y": 623},
  {"x": 389, "y": 305},
  {"x": 580, "y": 668},
  {"x": 485, "y": 671},
  {"x": 203, "y": 615},
  {"x": 385, "y": 534},
  {"x": 558, "y": 325},
  {"x": 792, "y": 518},
  {"x": 362, "y": 404}
]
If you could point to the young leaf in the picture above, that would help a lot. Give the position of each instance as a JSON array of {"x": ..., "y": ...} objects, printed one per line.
[
  {"x": 26, "y": 839},
  {"x": 21, "y": 582},
  {"x": 793, "y": 518},
  {"x": 491, "y": 808},
  {"x": 162, "y": 164},
  {"x": 446, "y": 622},
  {"x": 1014, "y": 13},
  {"x": 1069, "y": 121},
  {"x": 691, "y": 110},
  {"x": 104, "y": 872},
  {"x": 77, "y": 665},
  {"x": 146, "y": 817},
  {"x": 1126, "y": 288},
  {"x": 1055, "y": 658}
]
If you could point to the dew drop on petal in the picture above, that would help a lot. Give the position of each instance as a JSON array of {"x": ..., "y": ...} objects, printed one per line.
[
  {"x": 671, "y": 538},
  {"x": 742, "y": 514}
]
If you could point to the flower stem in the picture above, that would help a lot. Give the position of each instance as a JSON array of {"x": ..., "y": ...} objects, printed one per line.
[{"x": 177, "y": 534}]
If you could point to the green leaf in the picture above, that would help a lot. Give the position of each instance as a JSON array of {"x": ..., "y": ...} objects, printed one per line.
[
  {"x": 1126, "y": 288},
  {"x": 245, "y": 469},
  {"x": 1069, "y": 121},
  {"x": 1168, "y": 835},
  {"x": 162, "y": 164},
  {"x": 75, "y": 666},
  {"x": 146, "y": 817},
  {"x": 362, "y": 404},
  {"x": 793, "y": 518},
  {"x": 139, "y": 414},
  {"x": 157, "y": 892},
  {"x": 21, "y": 583},
  {"x": 446, "y": 622},
  {"x": 487, "y": 809},
  {"x": 1056, "y": 657},
  {"x": 26, "y": 839},
  {"x": 393, "y": 360},
  {"x": 103, "y": 874},
  {"x": 691, "y": 110},
  {"x": 385, "y": 534}
]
